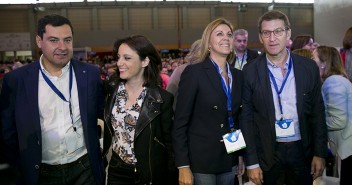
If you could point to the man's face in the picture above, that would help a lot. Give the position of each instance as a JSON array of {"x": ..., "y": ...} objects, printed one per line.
[
  {"x": 240, "y": 43},
  {"x": 56, "y": 45},
  {"x": 275, "y": 43}
]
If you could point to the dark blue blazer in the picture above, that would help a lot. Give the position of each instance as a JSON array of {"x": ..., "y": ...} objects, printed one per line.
[
  {"x": 21, "y": 123},
  {"x": 201, "y": 119},
  {"x": 258, "y": 111}
]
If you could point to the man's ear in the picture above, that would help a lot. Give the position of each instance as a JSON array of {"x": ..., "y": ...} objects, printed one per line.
[
  {"x": 38, "y": 41},
  {"x": 145, "y": 62}
]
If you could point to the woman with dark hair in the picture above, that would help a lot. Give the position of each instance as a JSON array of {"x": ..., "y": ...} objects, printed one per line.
[
  {"x": 337, "y": 95},
  {"x": 303, "y": 42},
  {"x": 138, "y": 117}
]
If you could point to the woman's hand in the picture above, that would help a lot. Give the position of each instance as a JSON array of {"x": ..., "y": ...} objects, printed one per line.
[{"x": 241, "y": 166}]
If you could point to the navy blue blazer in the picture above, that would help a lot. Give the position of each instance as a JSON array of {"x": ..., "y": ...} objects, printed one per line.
[
  {"x": 21, "y": 123},
  {"x": 258, "y": 111},
  {"x": 201, "y": 119}
]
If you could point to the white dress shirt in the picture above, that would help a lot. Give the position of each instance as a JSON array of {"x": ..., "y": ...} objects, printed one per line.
[{"x": 60, "y": 143}]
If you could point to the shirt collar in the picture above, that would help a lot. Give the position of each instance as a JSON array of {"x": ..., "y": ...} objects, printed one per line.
[
  {"x": 270, "y": 63},
  {"x": 64, "y": 70}
]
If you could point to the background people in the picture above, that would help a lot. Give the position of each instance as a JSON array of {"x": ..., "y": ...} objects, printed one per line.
[
  {"x": 138, "y": 117},
  {"x": 347, "y": 52},
  {"x": 286, "y": 137},
  {"x": 337, "y": 94},
  {"x": 303, "y": 42},
  {"x": 192, "y": 58},
  {"x": 243, "y": 55},
  {"x": 303, "y": 52},
  {"x": 207, "y": 108},
  {"x": 49, "y": 112}
]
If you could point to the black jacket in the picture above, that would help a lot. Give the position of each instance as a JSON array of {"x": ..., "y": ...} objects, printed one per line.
[
  {"x": 201, "y": 119},
  {"x": 258, "y": 111},
  {"x": 153, "y": 150}
]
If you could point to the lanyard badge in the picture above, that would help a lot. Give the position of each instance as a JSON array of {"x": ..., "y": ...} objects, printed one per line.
[
  {"x": 284, "y": 128},
  {"x": 234, "y": 141}
]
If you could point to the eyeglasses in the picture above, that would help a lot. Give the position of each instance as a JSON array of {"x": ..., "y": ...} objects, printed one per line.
[{"x": 278, "y": 32}]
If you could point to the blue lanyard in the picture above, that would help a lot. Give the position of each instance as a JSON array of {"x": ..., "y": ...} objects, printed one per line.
[
  {"x": 242, "y": 61},
  {"x": 58, "y": 92},
  {"x": 282, "y": 86},
  {"x": 227, "y": 89}
]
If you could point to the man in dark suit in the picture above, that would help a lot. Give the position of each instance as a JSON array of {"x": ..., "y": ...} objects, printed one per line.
[
  {"x": 49, "y": 112},
  {"x": 243, "y": 55},
  {"x": 283, "y": 119}
]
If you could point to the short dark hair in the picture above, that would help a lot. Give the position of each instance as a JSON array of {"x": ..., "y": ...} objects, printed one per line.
[
  {"x": 144, "y": 48},
  {"x": 273, "y": 15},
  {"x": 54, "y": 20}
]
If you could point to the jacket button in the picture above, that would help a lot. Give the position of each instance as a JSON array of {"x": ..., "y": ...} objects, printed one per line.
[
  {"x": 36, "y": 166},
  {"x": 221, "y": 125},
  {"x": 215, "y": 107}
]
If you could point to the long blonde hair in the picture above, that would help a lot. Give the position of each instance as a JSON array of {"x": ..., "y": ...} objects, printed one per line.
[{"x": 204, "y": 48}]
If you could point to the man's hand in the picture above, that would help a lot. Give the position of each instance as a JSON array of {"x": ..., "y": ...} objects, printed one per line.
[
  {"x": 255, "y": 175},
  {"x": 318, "y": 166},
  {"x": 185, "y": 176}
]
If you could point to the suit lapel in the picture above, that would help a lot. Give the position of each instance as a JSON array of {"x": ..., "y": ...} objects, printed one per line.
[
  {"x": 299, "y": 79},
  {"x": 150, "y": 109},
  {"x": 214, "y": 78},
  {"x": 31, "y": 80},
  {"x": 264, "y": 81},
  {"x": 82, "y": 88}
]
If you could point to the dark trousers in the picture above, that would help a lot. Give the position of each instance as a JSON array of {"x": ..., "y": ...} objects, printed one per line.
[
  {"x": 291, "y": 167},
  {"x": 121, "y": 173},
  {"x": 346, "y": 167},
  {"x": 75, "y": 173}
]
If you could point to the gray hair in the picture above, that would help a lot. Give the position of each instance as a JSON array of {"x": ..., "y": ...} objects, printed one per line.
[{"x": 240, "y": 32}]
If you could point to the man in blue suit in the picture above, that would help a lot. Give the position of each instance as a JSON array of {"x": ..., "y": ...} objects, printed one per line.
[{"x": 49, "y": 112}]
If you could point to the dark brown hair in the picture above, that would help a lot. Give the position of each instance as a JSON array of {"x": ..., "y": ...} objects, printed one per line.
[
  {"x": 330, "y": 57},
  {"x": 274, "y": 15},
  {"x": 144, "y": 48},
  {"x": 347, "y": 40},
  {"x": 53, "y": 20},
  {"x": 300, "y": 41}
]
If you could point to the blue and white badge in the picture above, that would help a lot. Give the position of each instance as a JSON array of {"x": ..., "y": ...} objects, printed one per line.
[
  {"x": 284, "y": 128},
  {"x": 234, "y": 141}
]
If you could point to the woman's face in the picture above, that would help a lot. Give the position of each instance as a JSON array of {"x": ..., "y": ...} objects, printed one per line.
[
  {"x": 221, "y": 41},
  {"x": 129, "y": 64},
  {"x": 309, "y": 45}
]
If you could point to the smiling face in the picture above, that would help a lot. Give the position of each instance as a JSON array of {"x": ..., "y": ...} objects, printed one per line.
[
  {"x": 221, "y": 41},
  {"x": 274, "y": 45},
  {"x": 129, "y": 64},
  {"x": 56, "y": 46}
]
